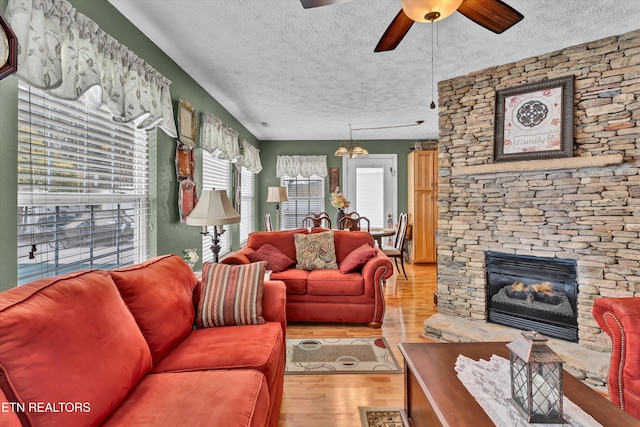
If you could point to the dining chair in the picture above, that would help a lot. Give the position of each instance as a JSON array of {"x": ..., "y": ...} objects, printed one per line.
[
  {"x": 267, "y": 222},
  {"x": 353, "y": 222},
  {"x": 341, "y": 224},
  {"x": 397, "y": 250},
  {"x": 313, "y": 220}
]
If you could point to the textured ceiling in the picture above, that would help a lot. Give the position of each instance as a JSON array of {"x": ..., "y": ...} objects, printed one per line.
[{"x": 309, "y": 73}]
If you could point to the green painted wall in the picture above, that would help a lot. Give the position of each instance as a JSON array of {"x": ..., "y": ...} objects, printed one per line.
[
  {"x": 270, "y": 150},
  {"x": 9, "y": 180}
]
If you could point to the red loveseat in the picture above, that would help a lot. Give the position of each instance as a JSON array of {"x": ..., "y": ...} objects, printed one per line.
[
  {"x": 118, "y": 348},
  {"x": 620, "y": 319},
  {"x": 327, "y": 295}
]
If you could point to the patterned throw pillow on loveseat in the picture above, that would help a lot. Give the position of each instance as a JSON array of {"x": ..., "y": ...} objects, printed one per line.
[{"x": 315, "y": 251}]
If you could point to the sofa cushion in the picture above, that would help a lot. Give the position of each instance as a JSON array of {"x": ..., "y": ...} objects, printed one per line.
[
  {"x": 315, "y": 251},
  {"x": 231, "y": 295},
  {"x": 333, "y": 282},
  {"x": 295, "y": 280},
  {"x": 258, "y": 347},
  {"x": 238, "y": 398},
  {"x": 70, "y": 339},
  {"x": 357, "y": 258},
  {"x": 159, "y": 293},
  {"x": 275, "y": 258}
]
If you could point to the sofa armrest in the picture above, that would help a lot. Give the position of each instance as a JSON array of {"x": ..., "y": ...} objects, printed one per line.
[
  {"x": 238, "y": 257},
  {"x": 620, "y": 319},
  {"x": 374, "y": 272},
  {"x": 274, "y": 303}
]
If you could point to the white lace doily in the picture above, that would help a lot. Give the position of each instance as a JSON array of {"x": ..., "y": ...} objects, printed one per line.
[{"x": 488, "y": 382}]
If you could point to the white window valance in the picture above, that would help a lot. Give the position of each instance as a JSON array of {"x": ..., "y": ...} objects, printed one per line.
[
  {"x": 250, "y": 157},
  {"x": 66, "y": 54},
  {"x": 301, "y": 165},
  {"x": 218, "y": 138}
]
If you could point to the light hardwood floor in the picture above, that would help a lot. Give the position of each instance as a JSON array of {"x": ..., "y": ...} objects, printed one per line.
[{"x": 333, "y": 400}]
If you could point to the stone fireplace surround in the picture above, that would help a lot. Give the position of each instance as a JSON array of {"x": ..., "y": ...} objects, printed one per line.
[{"x": 585, "y": 208}]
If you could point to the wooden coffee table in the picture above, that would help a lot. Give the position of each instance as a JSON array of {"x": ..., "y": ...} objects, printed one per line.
[{"x": 434, "y": 396}]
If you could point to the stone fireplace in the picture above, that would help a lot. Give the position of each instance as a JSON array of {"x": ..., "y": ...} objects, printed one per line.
[
  {"x": 533, "y": 293},
  {"x": 585, "y": 208}
]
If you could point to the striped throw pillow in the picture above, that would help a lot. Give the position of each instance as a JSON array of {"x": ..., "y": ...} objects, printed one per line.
[{"x": 231, "y": 295}]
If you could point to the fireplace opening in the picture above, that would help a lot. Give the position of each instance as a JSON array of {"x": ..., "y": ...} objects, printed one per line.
[{"x": 533, "y": 293}]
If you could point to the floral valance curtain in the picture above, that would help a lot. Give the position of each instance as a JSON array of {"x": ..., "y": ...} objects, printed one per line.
[
  {"x": 301, "y": 165},
  {"x": 221, "y": 140},
  {"x": 250, "y": 157},
  {"x": 66, "y": 54},
  {"x": 218, "y": 138}
]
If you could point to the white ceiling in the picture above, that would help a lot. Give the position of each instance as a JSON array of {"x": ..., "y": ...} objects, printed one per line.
[{"x": 309, "y": 73}]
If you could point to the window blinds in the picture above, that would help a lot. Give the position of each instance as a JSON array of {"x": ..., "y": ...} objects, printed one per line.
[
  {"x": 215, "y": 174},
  {"x": 82, "y": 188},
  {"x": 247, "y": 210},
  {"x": 305, "y": 195}
]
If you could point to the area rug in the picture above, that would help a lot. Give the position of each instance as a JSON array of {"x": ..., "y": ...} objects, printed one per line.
[
  {"x": 374, "y": 416},
  {"x": 340, "y": 356}
]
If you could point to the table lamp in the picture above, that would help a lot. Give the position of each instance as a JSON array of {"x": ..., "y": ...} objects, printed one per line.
[
  {"x": 213, "y": 208},
  {"x": 277, "y": 195}
]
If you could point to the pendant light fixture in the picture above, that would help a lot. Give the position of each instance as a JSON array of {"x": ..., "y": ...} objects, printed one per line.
[{"x": 351, "y": 148}]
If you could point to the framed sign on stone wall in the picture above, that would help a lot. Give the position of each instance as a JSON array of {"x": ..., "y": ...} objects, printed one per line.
[{"x": 534, "y": 121}]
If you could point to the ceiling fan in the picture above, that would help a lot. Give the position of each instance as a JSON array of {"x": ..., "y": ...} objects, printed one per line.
[{"x": 494, "y": 15}]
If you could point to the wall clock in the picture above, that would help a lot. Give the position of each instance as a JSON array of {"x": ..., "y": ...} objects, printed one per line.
[{"x": 8, "y": 50}]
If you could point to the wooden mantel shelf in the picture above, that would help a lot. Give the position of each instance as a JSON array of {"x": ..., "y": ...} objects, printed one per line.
[{"x": 539, "y": 165}]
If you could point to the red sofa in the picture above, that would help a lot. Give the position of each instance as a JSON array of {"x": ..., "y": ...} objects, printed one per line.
[
  {"x": 118, "y": 348},
  {"x": 620, "y": 319},
  {"x": 327, "y": 295}
]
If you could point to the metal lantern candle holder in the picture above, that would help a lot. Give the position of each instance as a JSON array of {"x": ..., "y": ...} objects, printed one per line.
[{"x": 536, "y": 379}]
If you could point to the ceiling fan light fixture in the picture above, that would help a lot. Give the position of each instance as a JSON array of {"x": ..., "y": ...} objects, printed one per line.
[{"x": 429, "y": 10}]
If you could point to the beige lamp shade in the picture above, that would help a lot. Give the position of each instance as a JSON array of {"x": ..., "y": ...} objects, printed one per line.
[
  {"x": 213, "y": 208},
  {"x": 429, "y": 10},
  {"x": 277, "y": 194}
]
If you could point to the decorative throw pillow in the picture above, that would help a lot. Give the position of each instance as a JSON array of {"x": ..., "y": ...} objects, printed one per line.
[
  {"x": 231, "y": 295},
  {"x": 315, "y": 251},
  {"x": 275, "y": 258},
  {"x": 357, "y": 258}
]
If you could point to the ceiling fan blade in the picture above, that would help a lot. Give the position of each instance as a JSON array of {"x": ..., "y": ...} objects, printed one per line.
[
  {"x": 494, "y": 15},
  {"x": 395, "y": 33},
  {"x": 308, "y": 4}
]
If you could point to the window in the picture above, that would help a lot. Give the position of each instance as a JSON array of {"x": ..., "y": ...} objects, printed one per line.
[
  {"x": 247, "y": 207},
  {"x": 215, "y": 174},
  {"x": 305, "y": 195},
  {"x": 82, "y": 188}
]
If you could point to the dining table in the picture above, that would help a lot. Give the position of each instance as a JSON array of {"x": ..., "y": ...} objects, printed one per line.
[{"x": 379, "y": 233}]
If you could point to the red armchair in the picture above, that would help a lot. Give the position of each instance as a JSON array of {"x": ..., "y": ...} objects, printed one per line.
[{"x": 620, "y": 319}]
